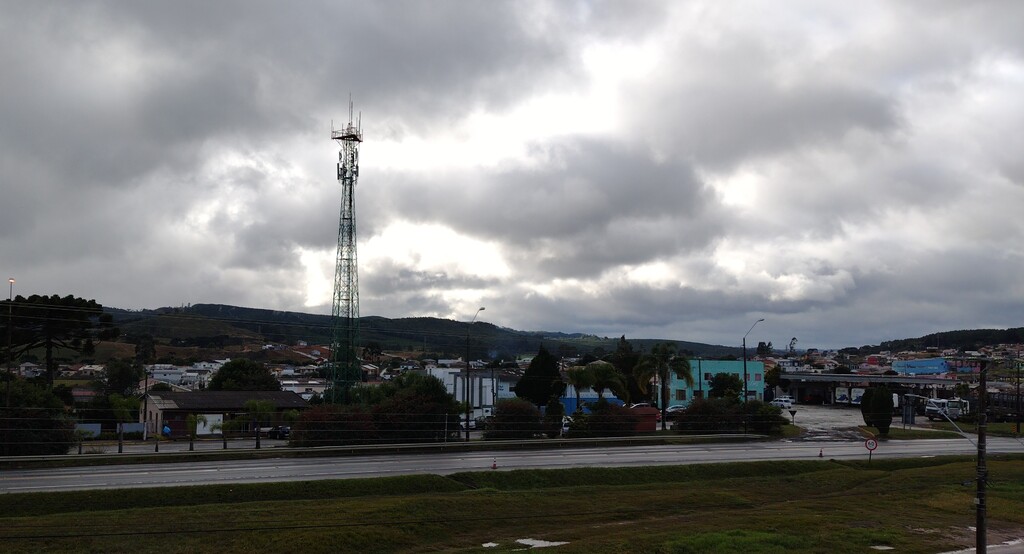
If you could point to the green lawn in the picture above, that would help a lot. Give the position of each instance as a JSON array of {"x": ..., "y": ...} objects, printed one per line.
[
  {"x": 1003, "y": 429},
  {"x": 899, "y": 433},
  {"x": 757, "y": 507}
]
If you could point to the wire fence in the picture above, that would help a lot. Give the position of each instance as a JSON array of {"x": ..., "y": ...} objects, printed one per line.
[{"x": 26, "y": 430}]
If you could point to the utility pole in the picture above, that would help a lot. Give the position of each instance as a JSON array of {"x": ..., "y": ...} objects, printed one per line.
[
  {"x": 1017, "y": 364},
  {"x": 980, "y": 541},
  {"x": 745, "y": 358},
  {"x": 145, "y": 406},
  {"x": 10, "y": 343},
  {"x": 469, "y": 328},
  {"x": 700, "y": 378}
]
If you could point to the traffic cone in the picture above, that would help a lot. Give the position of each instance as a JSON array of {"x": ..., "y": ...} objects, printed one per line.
[
  {"x": 821, "y": 452},
  {"x": 494, "y": 464}
]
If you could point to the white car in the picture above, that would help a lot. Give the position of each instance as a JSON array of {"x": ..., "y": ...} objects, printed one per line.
[
  {"x": 673, "y": 412},
  {"x": 782, "y": 402}
]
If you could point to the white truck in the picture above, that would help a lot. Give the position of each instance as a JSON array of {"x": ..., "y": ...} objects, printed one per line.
[{"x": 944, "y": 409}]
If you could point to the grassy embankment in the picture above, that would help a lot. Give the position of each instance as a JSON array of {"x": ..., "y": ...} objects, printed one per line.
[
  {"x": 913, "y": 505},
  {"x": 1002, "y": 429},
  {"x": 898, "y": 433}
]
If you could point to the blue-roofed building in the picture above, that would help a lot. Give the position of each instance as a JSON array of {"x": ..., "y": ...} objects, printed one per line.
[
  {"x": 930, "y": 366},
  {"x": 703, "y": 371}
]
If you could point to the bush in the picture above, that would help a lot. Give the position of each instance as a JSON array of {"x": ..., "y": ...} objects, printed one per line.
[
  {"x": 514, "y": 418},
  {"x": 414, "y": 418},
  {"x": 604, "y": 420},
  {"x": 410, "y": 408},
  {"x": 553, "y": 414},
  {"x": 726, "y": 415},
  {"x": 763, "y": 418},
  {"x": 711, "y": 415},
  {"x": 35, "y": 423},
  {"x": 35, "y": 432},
  {"x": 334, "y": 425}
]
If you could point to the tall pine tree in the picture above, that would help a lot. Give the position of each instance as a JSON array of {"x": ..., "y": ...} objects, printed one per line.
[{"x": 542, "y": 380}]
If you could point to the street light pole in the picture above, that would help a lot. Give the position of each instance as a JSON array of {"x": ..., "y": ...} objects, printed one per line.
[
  {"x": 1017, "y": 363},
  {"x": 745, "y": 358},
  {"x": 10, "y": 344},
  {"x": 980, "y": 499},
  {"x": 469, "y": 329}
]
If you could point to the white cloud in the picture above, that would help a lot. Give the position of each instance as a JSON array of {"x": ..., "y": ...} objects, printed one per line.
[{"x": 852, "y": 174}]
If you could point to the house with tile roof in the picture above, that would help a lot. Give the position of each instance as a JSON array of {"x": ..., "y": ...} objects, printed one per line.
[{"x": 218, "y": 407}]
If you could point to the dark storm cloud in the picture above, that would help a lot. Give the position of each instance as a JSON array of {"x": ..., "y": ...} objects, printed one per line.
[
  {"x": 392, "y": 280},
  {"x": 420, "y": 60},
  {"x": 144, "y": 93},
  {"x": 852, "y": 175}
]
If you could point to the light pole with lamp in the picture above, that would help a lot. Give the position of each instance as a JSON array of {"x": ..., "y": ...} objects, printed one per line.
[
  {"x": 745, "y": 358},
  {"x": 1017, "y": 364},
  {"x": 10, "y": 344},
  {"x": 469, "y": 328}
]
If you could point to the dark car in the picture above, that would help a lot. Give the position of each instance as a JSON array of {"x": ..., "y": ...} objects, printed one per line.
[{"x": 281, "y": 432}]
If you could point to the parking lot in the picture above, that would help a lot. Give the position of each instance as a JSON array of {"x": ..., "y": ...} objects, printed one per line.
[{"x": 829, "y": 422}]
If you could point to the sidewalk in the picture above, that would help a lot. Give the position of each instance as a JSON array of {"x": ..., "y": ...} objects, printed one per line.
[{"x": 177, "y": 445}]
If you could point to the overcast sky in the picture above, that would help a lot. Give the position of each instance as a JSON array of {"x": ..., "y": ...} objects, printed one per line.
[{"x": 851, "y": 172}]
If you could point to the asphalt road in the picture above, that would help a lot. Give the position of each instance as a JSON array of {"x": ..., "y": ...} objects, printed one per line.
[{"x": 303, "y": 469}]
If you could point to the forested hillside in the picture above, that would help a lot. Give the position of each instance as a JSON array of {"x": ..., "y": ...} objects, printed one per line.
[{"x": 441, "y": 337}]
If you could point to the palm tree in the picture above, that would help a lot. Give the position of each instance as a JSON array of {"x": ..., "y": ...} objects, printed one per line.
[
  {"x": 259, "y": 411},
  {"x": 192, "y": 422},
  {"x": 662, "y": 359},
  {"x": 606, "y": 377},
  {"x": 580, "y": 377}
]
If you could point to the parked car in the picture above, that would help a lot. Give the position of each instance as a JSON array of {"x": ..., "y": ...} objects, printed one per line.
[
  {"x": 782, "y": 402},
  {"x": 674, "y": 412},
  {"x": 280, "y": 432}
]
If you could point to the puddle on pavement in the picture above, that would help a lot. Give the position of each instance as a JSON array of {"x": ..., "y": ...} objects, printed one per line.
[{"x": 531, "y": 543}]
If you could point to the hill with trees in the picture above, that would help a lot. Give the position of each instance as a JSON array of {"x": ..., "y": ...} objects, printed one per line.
[
  {"x": 210, "y": 325},
  {"x": 963, "y": 340}
]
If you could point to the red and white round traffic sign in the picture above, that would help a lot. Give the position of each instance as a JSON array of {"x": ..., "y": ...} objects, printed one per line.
[{"x": 871, "y": 444}]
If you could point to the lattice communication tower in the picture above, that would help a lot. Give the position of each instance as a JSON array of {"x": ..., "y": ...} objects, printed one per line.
[{"x": 345, "y": 368}]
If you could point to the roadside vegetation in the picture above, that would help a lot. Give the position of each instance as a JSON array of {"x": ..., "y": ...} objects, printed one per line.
[
  {"x": 1002, "y": 429},
  {"x": 897, "y": 433},
  {"x": 805, "y": 506}
]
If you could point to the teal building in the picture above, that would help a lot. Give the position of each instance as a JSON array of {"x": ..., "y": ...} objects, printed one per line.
[{"x": 703, "y": 371}]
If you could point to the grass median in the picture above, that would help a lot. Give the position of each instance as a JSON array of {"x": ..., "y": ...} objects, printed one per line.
[
  {"x": 912, "y": 505},
  {"x": 900, "y": 434},
  {"x": 996, "y": 429}
]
